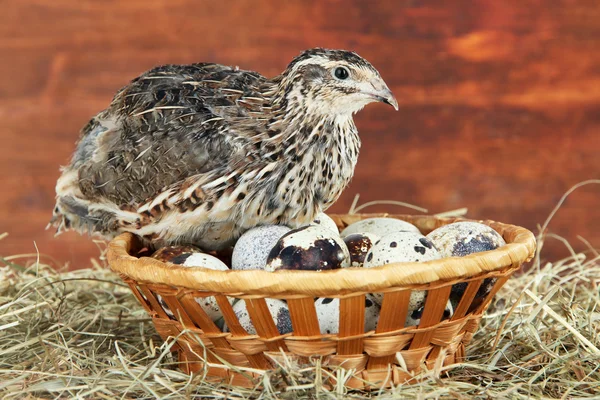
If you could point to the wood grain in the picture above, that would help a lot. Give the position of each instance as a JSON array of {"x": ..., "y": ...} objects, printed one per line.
[{"x": 500, "y": 101}]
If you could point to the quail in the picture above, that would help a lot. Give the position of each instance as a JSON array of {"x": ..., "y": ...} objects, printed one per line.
[{"x": 200, "y": 153}]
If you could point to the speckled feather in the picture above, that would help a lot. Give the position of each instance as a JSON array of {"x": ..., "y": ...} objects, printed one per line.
[{"x": 200, "y": 153}]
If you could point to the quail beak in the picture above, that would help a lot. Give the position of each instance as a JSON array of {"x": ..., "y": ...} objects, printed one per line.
[
  {"x": 385, "y": 95},
  {"x": 388, "y": 98}
]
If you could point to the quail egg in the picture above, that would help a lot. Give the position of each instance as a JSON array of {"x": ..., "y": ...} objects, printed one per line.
[
  {"x": 203, "y": 260},
  {"x": 414, "y": 316},
  {"x": 252, "y": 248},
  {"x": 175, "y": 254},
  {"x": 379, "y": 226},
  {"x": 400, "y": 247},
  {"x": 193, "y": 259},
  {"x": 278, "y": 309},
  {"x": 463, "y": 238},
  {"x": 359, "y": 244},
  {"x": 323, "y": 220},
  {"x": 328, "y": 313},
  {"x": 309, "y": 248}
]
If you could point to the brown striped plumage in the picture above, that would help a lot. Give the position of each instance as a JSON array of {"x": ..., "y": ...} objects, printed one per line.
[{"x": 199, "y": 153}]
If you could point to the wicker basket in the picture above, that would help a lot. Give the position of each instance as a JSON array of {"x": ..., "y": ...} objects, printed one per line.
[{"x": 391, "y": 354}]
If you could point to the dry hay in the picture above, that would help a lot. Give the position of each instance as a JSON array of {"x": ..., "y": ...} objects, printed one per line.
[{"x": 82, "y": 334}]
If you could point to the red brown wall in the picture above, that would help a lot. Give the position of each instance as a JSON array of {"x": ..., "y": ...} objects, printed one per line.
[{"x": 500, "y": 101}]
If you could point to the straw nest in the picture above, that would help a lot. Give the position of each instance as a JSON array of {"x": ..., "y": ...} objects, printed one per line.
[{"x": 82, "y": 334}]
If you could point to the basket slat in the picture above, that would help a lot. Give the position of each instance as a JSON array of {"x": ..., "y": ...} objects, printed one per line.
[
  {"x": 263, "y": 323},
  {"x": 201, "y": 319},
  {"x": 435, "y": 305},
  {"x": 467, "y": 298},
  {"x": 392, "y": 316},
  {"x": 156, "y": 307},
  {"x": 307, "y": 347},
  {"x": 483, "y": 305},
  {"x": 251, "y": 348},
  {"x": 138, "y": 295},
  {"x": 229, "y": 316},
  {"x": 177, "y": 309},
  {"x": 445, "y": 338},
  {"x": 394, "y": 311},
  {"x": 197, "y": 346},
  {"x": 304, "y": 317},
  {"x": 352, "y": 323}
]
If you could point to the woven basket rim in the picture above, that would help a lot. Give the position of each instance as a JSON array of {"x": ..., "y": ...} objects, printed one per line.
[{"x": 520, "y": 248}]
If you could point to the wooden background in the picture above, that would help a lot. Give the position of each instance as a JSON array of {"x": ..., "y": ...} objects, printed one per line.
[{"x": 500, "y": 100}]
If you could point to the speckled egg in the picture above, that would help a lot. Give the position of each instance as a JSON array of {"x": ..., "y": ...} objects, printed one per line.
[
  {"x": 310, "y": 248},
  {"x": 379, "y": 226},
  {"x": 463, "y": 238},
  {"x": 203, "y": 260},
  {"x": 400, "y": 247},
  {"x": 359, "y": 244},
  {"x": 323, "y": 220},
  {"x": 328, "y": 313},
  {"x": 175, "y": 254},
  {"x": 252, "y": 248},
  {"x": 278, "y": 309},
  {"x": 414, "y": 317},
  {"x": 194, "y": 260}
]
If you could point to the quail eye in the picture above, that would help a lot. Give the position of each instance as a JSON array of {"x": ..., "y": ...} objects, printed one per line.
[{"x": 341, "y": 73}]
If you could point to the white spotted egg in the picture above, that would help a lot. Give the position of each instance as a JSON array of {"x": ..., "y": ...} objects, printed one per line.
[
  {"x": 203, "y": 260},
  {"x": 175, "y": 254},
  {"x": 461, "y": 239},
  {"x": 310, "y": 248},
  {"x": 359, "y": 245},
  {"x": 400, "y": 247},
  {"x": 328, "y": 313},
  {"x": 277, "y": 308},
  {"x": 379, "y": 226},
  {"x": 252, "y": 248},
  {"x": 191, "y": 257},
  {"x": 323, "y": 220}
]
